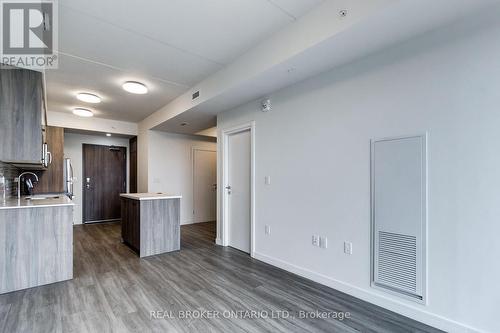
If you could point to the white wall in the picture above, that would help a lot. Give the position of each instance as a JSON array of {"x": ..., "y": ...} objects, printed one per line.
[
  {"x": 315, "y": 144},
  {"x": 170, "y": 167},
  {"x": 73, "y": 150}
]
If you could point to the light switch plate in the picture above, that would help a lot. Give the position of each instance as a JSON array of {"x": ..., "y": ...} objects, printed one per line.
[
  {"x": 347, "y": 247},
  {"x": 315, "y": 240},
  {"x": 268, "y": 230},
  {"x": 267, "y": 180},
  {"x": 323, "y": 242}
]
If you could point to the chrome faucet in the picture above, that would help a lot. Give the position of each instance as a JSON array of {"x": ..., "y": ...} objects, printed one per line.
[{"x": 19, "y": 182}]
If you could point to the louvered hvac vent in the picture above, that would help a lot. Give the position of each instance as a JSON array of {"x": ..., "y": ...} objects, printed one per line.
[
  {"x": 399, "y": 216},
  {"x": 397, "y": 261}
]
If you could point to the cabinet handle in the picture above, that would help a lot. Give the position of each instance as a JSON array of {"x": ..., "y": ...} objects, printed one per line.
[{"x": 49, "y": 155}]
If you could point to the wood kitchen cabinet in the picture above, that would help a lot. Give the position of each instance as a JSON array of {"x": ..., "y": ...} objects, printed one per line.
[
  {"x": 131, "y": 223},
  {"x": 52, "y": 179},
  {"x": 21, "y": 108},
  {"x": 37, "y": 244}
]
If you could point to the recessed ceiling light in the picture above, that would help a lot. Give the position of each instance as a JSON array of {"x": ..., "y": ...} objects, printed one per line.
[
  {"x": 89, "y": 98},
  {"x": 135, "y": 87},
  {"x": 81, "y": 112},
  {"x": 108, "y": 134}
]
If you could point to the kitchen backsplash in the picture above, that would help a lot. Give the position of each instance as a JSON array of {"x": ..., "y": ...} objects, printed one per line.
[{"x": 10, "y": 173}]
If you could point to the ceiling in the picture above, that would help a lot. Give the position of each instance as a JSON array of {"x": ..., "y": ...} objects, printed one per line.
[
  {"x": 170, "y": 45},
  {"x": 396, "y": 24}
]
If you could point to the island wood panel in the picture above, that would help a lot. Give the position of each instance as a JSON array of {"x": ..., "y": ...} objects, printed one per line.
[
  {"x": 151, "y": 226},
  {"x": 160, "y": 226},
  {"x": 36, "y": 247}
]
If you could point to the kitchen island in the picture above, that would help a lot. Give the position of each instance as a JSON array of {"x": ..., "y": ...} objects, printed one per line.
[
  {"x": 151, "y": 222},
  {"x": 36, "y": 242}
]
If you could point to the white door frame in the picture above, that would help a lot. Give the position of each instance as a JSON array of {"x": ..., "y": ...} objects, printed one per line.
[
  {"x": 223, "y": 226},
  {"x": 193, "y": 150}
]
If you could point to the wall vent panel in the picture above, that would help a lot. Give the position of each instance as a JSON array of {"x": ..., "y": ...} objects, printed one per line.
[
  {"x": 397, "y": 262},
  {"x": 399, "y": 215}
]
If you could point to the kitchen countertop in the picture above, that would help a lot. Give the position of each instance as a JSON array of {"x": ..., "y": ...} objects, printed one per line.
[
  {"x": 50, "y": 201},
  {"x": 150, "y": 196}
]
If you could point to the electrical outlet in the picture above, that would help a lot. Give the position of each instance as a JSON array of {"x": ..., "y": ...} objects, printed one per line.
[
  {"x": 315, "y": 240},
  {"x": 323, "y": 242},
  {"x": 268, "y": 230},
  {"x": 267, "y": 180},
  {"x": 347, "y": 247}
]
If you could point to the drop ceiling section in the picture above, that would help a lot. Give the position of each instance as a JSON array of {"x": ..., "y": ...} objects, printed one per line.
[
  {"x": 169, "y": 45},
  {"x": 74, "y": 76}
]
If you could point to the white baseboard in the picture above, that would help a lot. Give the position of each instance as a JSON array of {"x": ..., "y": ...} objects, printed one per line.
[{"x": 373, "y": 297}]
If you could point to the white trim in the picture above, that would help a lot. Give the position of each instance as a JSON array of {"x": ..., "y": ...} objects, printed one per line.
[
  {"x": 223, "y": 225},
  {"x": 416, "y": 312},
  {"x": 193, "y": 149}
]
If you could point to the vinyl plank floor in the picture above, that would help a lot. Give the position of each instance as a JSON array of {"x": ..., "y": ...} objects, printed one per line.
[{"x": 115, "y": 291}]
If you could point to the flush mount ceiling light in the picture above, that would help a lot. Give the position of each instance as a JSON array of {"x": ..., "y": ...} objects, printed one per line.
[
  {"x": 135, "y": 87},
  {"x": 89, "y": 98},
  {"x": 108, "y": 134},
  {"x": 81, "y": 112}
]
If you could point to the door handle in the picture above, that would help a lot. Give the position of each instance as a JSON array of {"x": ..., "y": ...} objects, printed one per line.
[{"x": 228, "y": 188}]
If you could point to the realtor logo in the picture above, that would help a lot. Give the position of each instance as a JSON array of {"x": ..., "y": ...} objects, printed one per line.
[{"x": 29, "y": 34}]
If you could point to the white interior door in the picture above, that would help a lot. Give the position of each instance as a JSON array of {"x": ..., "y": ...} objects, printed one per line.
[
  {"x": 238, "y": 190},
  {"x": 204, "y": 185}
]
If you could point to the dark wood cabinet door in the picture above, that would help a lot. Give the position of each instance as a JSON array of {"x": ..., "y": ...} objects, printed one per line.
[
  {"x": 131, "y": 223},
  {"x": 134, "y": 224},
  {"x": 52, "y": 179},
  {"x": 125, "y": 220},
  {"x": 104, "y": 178},
  {"x": 21, "y": 96}
]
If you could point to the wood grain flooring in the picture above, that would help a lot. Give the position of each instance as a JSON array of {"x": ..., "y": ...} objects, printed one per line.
[{"x": 115, "y": 291}]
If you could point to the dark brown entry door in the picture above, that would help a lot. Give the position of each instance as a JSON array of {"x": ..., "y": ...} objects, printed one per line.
[{"x": 104, "y": 178}]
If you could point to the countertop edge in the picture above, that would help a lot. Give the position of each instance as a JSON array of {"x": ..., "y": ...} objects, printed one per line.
[
  {"x": 166, "y": 197},
  {"x": 37, "y": 206}
]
